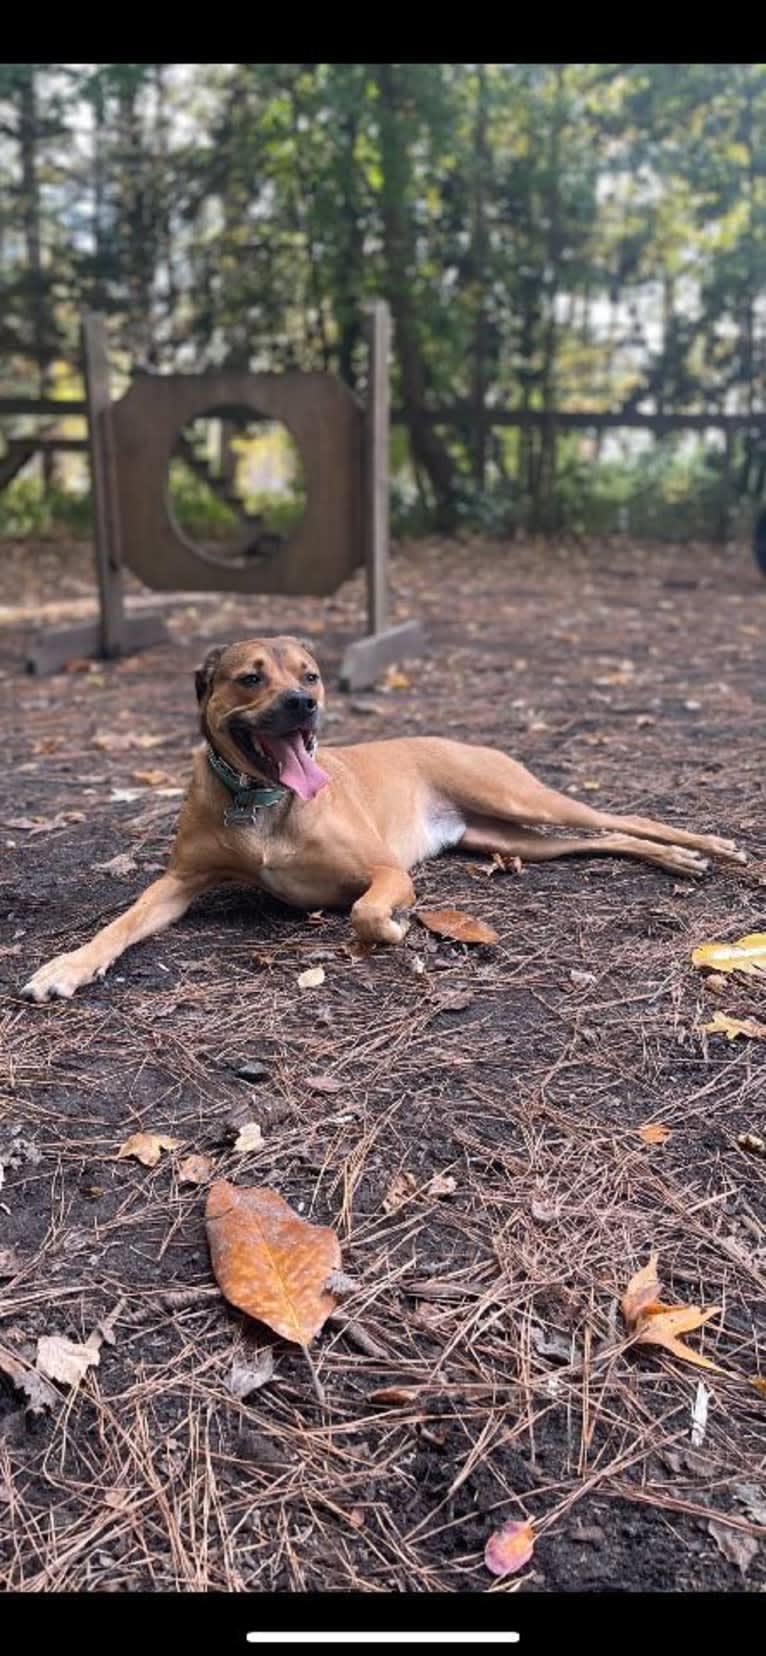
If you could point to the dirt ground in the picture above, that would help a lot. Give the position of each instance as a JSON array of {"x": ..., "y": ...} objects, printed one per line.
[{"x": 479, "y": 1369}]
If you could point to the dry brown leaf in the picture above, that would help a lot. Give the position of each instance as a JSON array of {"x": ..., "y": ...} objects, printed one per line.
[
  {"x": 735, "y": 1544},
  {"x": 722, "y": 1024},
  {"x": 748, "y": 955},
  {"x": 269, "y": 1262},
  {"x": 195, "y": 1170},
  {"x": 399, "y": 1191},
  {"x": 395, "y": 1396},
  {"x": 119, "y": 867},
  {"x": 249, "y": 1137},
  {"x": 245, "y": 1378},
  {"x": 43, "y": 825},
  {"x": 64, "y": 1360},
  {"x": 25, "y": 1379},
  {"x": 510, "y": 1548},
  {"x": 312, "y": 978},
  {"x": 147, "y": 1147},
  {"x": 653, "y": 1132},
  {"x": 442, "y": 1184},
  {"x": 121, "y": 741},
  {"x": 153, "y": 778},
  {"x": 654, "y": 1323},
  {"x": 453, "y": 923},
  {"x": 759, "y": 1384},
  {"x": 752, "y": 1142}
]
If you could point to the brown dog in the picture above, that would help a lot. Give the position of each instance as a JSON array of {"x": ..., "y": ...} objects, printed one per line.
[{"x": 260, "y": 811}]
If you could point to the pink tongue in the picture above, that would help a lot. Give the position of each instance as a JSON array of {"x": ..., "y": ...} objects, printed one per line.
[{"x": 297, "y": 770}]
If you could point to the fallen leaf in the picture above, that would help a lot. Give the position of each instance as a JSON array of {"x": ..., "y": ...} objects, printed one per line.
[
  {"x": 510, "y": 1548},
  {"x": 503, "y": 863},
  {"x": 24, "y": 1378},
  {"x": 153, "y": 778},
  {"x": 759, "y": 1384},
  {"x": 653, "y": 1132},
  {"x": 312, "y": 978},
  {"x": 654, "y": 1323},
  {"x": 195, "y": 1170},
  {"x": 269, "y": 1262},
  {"x": 395, "y": 679},
  {"x": 753, "y": 1498},
  {"x": 122, "y": 741},
  {"x": 10, "y": 1260},
  {"x": 120, "y": 866},
  {"x": 752, "y": 1142},
  {"x": 249, "y": 1137},
  {"x": 592, "y": 787},
  {"x": 453, "y": 923},
  {"x": 64, "y": 1360},
  {"x": 735, "y": 1544},
  {"x": 43, "y": 825},
  {"x": 323, "y": 1084},
  {"x": 716, "y": 981},
  {"x": 722, "y": 1024},
  {"x": 245, "y": 1378},
  {"x": 748, "y": 955},
  {"x": 581, "y": 980},
  {"x": 455, "y": 1002},
  {"x": 442, "y": 1184},
  {"x": 147, "y": 1147},
  {"x": 399, "y": 1191},
  {"x": 395, "y": 1395}
]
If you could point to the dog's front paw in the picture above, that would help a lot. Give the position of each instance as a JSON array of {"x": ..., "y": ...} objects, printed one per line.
[
  {"x": 374, "y": 927},
  {"x": 59, "y": 979}
]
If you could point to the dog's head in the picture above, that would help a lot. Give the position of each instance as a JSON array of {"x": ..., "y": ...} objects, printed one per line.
[{"x": 260, "y": 706}]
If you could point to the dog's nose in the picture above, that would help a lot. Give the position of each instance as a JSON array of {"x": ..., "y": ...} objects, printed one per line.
[{"x": 299, "y": 704}]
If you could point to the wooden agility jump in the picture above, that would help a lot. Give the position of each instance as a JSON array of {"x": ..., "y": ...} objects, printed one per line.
[{"x": 344, "y": 447}]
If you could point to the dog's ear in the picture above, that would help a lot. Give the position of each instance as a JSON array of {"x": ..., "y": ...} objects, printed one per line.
[{"x": 204, "y": 675}]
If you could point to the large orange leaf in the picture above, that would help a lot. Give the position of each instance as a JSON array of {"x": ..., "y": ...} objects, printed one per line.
[
  {"x": 654, "y": 1323},
  {"x": 453, "y": 923},
  {"x": 268, "y": 1261}
]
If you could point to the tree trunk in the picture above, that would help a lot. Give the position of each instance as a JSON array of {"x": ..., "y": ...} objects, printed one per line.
[
  {"x": 428, "y": 450},
  {"x": 41, "y": 346},
  {"x": 478, "y": 260}
]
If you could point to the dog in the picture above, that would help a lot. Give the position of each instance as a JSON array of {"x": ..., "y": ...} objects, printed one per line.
[{"x": 262, "y": 810}]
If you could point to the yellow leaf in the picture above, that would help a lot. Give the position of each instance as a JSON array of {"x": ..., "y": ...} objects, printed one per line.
[
  {"x": 654, "y": 1133},
  {"x": 269, "y": 1262},
  {"x": 654, "y": 1323},
  {"x": 453, "y": 923},
  {"x": 394, "y": 679},
  {"x": 147, "y": 1147},
  {"x": 510, "y": 1548},
  {"x": 748, "y": 955},
  {"x": 662, "y": 1328},
  {"x": 642, "y": 1292},
  {"x": 152, "y": 778},
  {"x": 722, "y": 1024}
]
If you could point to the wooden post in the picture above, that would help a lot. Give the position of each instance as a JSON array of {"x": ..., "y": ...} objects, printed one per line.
[
  {"x": 103, "y": 484},
  {"x": 377, "y": 422},
  {"x": 365, "y": 660},
  {"x": 114, "y": 633}
]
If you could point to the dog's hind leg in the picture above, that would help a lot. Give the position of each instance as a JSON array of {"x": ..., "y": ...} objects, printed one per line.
[
  {"x": 532, "y": 846},
  {"x": 163, "y": 902},
  {"x": 371, "y": 916},
  {"x": 486, "y": 784}
]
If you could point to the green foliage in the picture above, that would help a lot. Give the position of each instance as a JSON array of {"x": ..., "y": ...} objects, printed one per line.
[
  {"x": 29, "y": 509},
  {"x": 548, "y": 236}
]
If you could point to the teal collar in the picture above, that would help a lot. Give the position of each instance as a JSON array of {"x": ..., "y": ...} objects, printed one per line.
[{"x": 247, "y": 796}]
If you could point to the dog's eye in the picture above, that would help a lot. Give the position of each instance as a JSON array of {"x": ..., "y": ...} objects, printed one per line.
[
  {"x": 311, "y": 678},
  {"x": 250, "y": 679}
]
